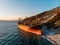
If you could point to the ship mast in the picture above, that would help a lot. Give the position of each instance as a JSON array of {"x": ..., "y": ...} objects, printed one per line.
[
  {"x": 25, "y": 20},
  {"x": 36, "y": 20}
]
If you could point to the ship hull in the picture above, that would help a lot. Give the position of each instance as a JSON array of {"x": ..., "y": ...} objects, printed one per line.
[{"x": 29, "y": 30}]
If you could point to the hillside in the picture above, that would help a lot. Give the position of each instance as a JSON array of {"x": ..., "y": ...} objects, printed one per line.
[{"x": 45, "y": 18}]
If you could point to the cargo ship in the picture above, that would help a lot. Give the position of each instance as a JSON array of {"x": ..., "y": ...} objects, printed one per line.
[{"x": 25, "y": 27}]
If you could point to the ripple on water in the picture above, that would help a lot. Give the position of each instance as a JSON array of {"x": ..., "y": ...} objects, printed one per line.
[{"x": 9, "y": 35}]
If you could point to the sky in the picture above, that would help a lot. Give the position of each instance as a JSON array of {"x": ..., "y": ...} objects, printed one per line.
[{"x": 12, "y": 9}]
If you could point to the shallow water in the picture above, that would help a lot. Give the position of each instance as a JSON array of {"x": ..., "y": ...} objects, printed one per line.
[{"x": 11, "y": 35}]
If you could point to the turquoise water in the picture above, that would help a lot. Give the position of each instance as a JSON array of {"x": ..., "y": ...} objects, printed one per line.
[{"x": 11, "y": 35}]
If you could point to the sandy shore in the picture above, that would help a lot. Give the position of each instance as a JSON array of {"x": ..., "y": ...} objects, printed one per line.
[{"x": 55, "y": 38}]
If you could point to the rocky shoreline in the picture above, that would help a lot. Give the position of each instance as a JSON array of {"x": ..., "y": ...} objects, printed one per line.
[{"x": 53, "y": 35}]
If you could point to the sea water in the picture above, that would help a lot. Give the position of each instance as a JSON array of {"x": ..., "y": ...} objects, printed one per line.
[{"x": 11, "y": 35}]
